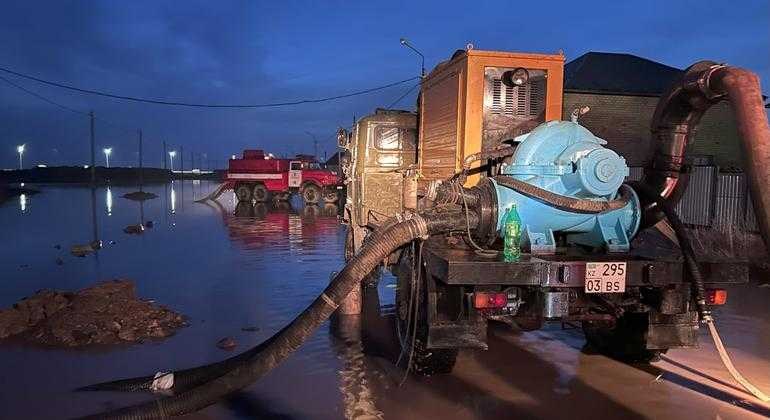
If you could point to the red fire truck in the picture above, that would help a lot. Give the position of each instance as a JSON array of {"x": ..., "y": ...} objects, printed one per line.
[{"x": 260, "y": 177}]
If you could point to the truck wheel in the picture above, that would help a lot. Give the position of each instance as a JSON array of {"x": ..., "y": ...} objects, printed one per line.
[
  {"x": 330, "y": 196},
  {"x": 261, "y": 194},
  {"x": 625, "y": 339},
  {"x": 424, "y": 361},
  {"x": 311, "y": 194},
  {"x": 243, "y": 192}
]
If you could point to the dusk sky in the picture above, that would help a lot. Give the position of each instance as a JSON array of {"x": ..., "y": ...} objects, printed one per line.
[{"x": 258, "y": 52}]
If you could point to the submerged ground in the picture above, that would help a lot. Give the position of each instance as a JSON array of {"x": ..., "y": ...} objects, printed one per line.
[{"x": 245, "y": 272}]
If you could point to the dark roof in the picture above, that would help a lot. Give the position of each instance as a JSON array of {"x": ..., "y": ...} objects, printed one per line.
[
  {"x": 334, "y": 160},
  {"x": 625, "y": 74}
]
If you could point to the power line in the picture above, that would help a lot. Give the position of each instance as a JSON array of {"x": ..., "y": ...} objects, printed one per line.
[
  {"x": 400, "y": 98},
  {"x": 65, "y": 107},
  {"x": 41, "y": 97},
  {"x": 203, "y": 105}
]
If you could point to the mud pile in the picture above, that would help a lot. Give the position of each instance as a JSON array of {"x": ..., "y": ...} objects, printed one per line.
[{"x": 107, "y": 313}]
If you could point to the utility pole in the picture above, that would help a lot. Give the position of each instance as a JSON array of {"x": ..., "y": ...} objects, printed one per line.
[
  {"x": 181, "y": 160},
  {"x": 315, "y": 144},
  {"x": 164, "y": 155},
  {"x": 93, "y": 149},
  {"x": 141, "y": 163}
]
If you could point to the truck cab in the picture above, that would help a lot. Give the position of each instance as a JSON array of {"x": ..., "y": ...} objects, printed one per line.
[{"x": 380, "y": 172}]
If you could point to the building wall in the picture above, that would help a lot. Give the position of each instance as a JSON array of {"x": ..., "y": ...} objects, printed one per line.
[{"x": 624, "y": 121}]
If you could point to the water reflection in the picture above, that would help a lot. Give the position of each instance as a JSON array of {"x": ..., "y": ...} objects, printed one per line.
[
  {"x": 108, "y": 201},
  {"x": 23, "y": 203},
  {"x": 173, "y": 198},
  {"x": 255, "y": 226}
]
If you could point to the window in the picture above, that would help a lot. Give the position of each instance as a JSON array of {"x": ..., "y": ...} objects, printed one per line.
[
  {"x": 296, "y": 166},
  {"x": 394, "y": 138}
]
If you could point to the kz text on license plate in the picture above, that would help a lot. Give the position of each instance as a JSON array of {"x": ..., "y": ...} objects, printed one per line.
[{"x": 605, "y": 277}]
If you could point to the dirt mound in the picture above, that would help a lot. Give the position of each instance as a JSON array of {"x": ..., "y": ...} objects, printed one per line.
[
  {"x": 139, "y": 196},
  {"x": 107, "y": 313}
]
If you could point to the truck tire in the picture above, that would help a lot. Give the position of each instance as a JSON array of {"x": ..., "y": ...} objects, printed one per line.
[
  {"x": 243, "y": 192},
  {"x": 424, "y": 361},
  {"x": 331, "y": 196},
  {"x": 624, "y": 340},
  {"x": 261, "y": 194},
  {"x": 311, "y": 194}
]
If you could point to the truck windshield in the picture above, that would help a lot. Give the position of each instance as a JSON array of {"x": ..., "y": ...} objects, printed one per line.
[{"x": 313, "y": 165}]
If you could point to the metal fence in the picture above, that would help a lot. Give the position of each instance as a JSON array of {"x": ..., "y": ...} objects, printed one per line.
[{"x": 713, "y": 199}]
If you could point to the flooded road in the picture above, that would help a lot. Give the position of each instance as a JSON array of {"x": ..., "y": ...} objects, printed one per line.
[{"x": 246, "y": 271}]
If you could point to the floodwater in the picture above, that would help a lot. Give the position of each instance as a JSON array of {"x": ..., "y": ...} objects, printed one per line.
[{"x": 228, "y": 267}]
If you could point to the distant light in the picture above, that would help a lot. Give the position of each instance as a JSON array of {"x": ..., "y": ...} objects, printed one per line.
[
  {"x": 172, "y": 153},
  {"x": 85, "y": 166},
  {"x": 42, "y": 165},
  {"x": 20, "y": 148},
  {"x": 232, "y": 156},
  {"x": 107, "y": 151}
]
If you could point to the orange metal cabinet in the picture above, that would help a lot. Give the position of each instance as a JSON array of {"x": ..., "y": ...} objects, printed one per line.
[{"x": 465, "y": 109}]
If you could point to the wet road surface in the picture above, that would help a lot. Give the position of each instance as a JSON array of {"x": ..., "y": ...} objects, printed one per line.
[{"x": 229, "y": 267}]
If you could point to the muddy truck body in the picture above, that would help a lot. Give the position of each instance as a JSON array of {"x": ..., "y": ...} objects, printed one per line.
[
  {"x": 487, "y": 135},
  {"x": 262, "y": 178}
]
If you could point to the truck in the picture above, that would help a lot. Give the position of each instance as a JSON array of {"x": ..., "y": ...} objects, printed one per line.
[
  {"x": 488, "y": 135},
  {"x": 261, "y": 177}
]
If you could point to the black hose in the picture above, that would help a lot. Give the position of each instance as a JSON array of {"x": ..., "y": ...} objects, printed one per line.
[
  {"x": 207, "y": 384},
  {"x": 575, "y": 205},
  {"x": 696, "y": 277}
]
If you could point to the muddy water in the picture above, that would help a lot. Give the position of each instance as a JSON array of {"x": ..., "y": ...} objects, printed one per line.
[{"x": 230, "y": 267}]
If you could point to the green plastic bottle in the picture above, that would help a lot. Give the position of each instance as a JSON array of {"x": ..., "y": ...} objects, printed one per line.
[{"x": 512, "y": 235}]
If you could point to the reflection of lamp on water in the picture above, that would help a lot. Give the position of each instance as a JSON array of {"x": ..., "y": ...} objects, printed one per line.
[
  {"x": 107, "y": 153},
  {"x": 173, "y": 198},
  {"x": 20, "y": 150},
  {"x": 108, "y": 201},
  {"x": 23, "y": 202}
]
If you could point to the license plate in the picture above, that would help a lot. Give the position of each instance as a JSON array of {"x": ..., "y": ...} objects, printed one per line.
[{"x": 605, "y": 277}]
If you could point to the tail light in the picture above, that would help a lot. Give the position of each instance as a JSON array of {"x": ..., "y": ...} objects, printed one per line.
[
  {"x": 716, "y": 296},
  {"x": 489, "y": 300}
]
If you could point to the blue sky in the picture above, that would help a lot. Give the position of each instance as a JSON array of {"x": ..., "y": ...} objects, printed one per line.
[{"x": 256, "y": 52}]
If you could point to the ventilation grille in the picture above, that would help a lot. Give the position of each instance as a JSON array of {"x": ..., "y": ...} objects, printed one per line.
[{"x": 521, "y": 101}]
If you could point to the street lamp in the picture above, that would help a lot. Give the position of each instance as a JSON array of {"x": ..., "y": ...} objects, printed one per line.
[
  {"x": 20, "y": 150},
  {"x": 171, "y": 155},
  {"x": 406, "y": 43},
  {"x": 107, "y": 153}
]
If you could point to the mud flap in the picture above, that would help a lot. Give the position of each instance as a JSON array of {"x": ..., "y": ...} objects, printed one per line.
[
  {"x": 672, "y": 331},
  {"x": 467, "y": 331}
]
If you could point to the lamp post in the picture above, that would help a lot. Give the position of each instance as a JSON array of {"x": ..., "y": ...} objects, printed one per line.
[
  {"x": 171, "y": 155},
  {"x": 107, "y": 153},
  {"x": 405, "y": 42},
  {"x": 20, "y": 150}
]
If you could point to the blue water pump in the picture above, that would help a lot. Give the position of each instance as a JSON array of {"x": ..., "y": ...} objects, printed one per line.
[{"x": 566, "y": 159}]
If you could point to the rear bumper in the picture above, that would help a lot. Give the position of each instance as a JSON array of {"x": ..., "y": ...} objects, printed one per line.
[{"x": 463, "y": 267}]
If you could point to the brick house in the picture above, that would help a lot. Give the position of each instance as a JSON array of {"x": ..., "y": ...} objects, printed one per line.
[{"x": 623, "y": 90}]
